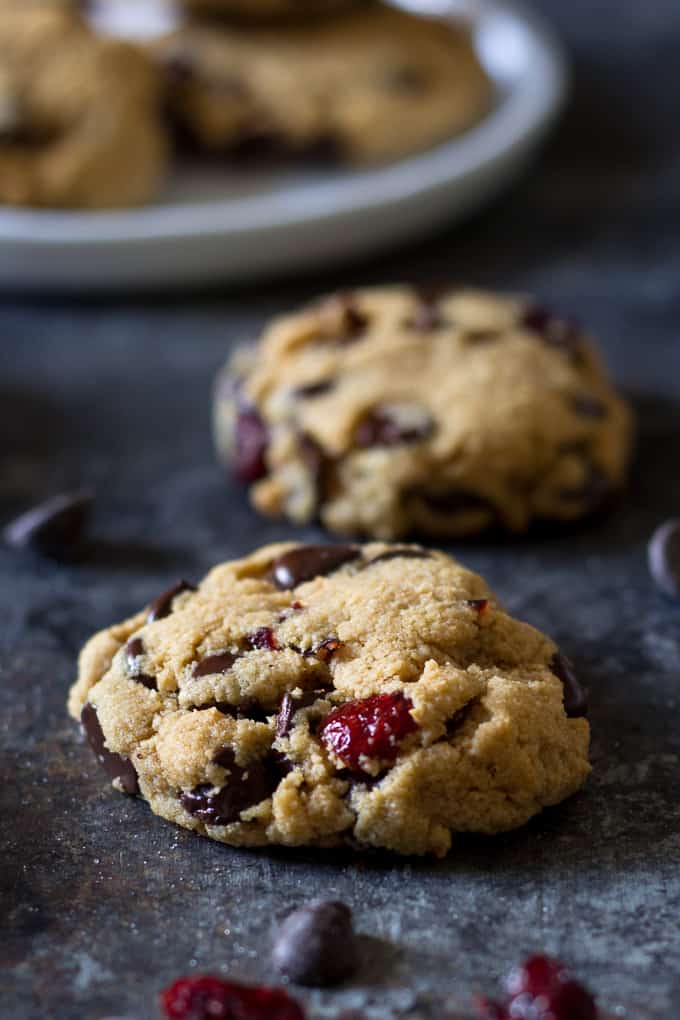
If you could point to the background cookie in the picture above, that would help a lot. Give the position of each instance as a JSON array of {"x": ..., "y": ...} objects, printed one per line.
[
  {"x": 388, "y": 410},
  {"x": 328, "y": 694},
  {"x": 373, "y": 84},
  {"x": 79, "y": 124},
  {"x": 265, "y": 9}
]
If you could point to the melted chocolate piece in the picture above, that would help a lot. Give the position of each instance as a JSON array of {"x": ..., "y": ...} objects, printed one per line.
[
  {"x": 162, "y": 606},
  {"x": 588, "y": 406},
  {"x": 308, "y": 561},
  {"x": 315, "y": 389},
  {"x": 244, "y": 787},
  {"x": 133, "y": 649},
  {"x": 113, "y": 764},
  {"x": 575, "y": 695},
  {"x": 54, "y": 528},
  {"x": 664, "y": 557},
  {"x": 221, "y": 662},
  {"x": 405, "y": 553},
  {"x": 250, "y": 709},
  {"x": 379, "y": 428},
  {"x": 251, "y": 440},
  {"x": 316, "y": 945}
]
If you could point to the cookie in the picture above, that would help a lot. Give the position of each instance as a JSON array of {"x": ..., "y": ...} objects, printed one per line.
[
  {"x": 79, "y": 118},
  {"x": 373, "y": 84},
  {"x": 388, "y": 411},
  {"x": 331, "y": 695},
  {"x": 266, "y": 9}
]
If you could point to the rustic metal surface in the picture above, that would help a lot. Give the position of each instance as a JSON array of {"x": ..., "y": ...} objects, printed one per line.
[{"x": 103, "y": 903}]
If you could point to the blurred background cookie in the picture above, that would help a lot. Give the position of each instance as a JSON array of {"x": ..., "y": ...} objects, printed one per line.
[
  {"x": 266, "y": 9},
  {"x": 372, "y": 84},
  {"x": 79, "y": 122}
]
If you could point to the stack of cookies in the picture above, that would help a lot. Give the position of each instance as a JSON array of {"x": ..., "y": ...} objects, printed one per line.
[{"x": 86, "y": 118}]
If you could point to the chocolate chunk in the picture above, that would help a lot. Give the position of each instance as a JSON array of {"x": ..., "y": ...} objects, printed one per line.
[
  {"x": 575, "y": 695},
  {"x": 308, "y": 561},
  {"x": 243, "y": 788},
  {"x": 251, "y": 439},
  {"x": 284, "y": 719},
  {"x": 379, "y": 428},
  {"x": 593, "y": 492},
  {"x": 664, "y": 557},
  {"x": 405, "y": 79},
  {"x": 455, "y": 501},
  {"x": 316, "y": 945},
  {"x": 315, "y": 389},
  {"x": 133, "y": 649},
  {"x": 54, "y": 528},
  {"x": 113, "y": 764},
  {"x": 406, "y": 554},
  {"x": 221, "y": 662},
  {"x": 249, "y": 709},
  {"x": 552, "y": 330},
  {"x": 162, "y": 606},
  {"x": 265, "y": 638},
  {"x": 588, "y": 406}
]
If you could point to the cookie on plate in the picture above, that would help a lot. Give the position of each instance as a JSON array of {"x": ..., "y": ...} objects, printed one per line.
[
  {"x": 79, "y": 119},
  {"x": 390, "y": 410},
  {"x": 324, "y": 695},
  {"x": 373, "y": 84},
  {"x": 267, "y": 9}
]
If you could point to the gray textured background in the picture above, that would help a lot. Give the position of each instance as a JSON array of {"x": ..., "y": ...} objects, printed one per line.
[{"x": 103, "y": 904}]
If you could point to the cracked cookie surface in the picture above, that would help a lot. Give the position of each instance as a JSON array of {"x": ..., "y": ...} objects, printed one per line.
[
  {"x": 79, "y": 119},
  {"x": 372, "y": 84},
  {"x": 327, "y": 695},
  {"x": 387, "y": 411}
]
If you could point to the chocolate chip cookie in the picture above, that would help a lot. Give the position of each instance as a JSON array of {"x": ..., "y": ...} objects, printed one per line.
[
  {"x": 392, "y": 410},
  {"x": 79, "y": 118},
  {"x": 370, "y": 695},
  {"x": 372, "y": 84},
  {"x": 267, "y": 9}
]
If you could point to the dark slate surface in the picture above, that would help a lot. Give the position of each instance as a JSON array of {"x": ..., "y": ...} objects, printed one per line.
[{"x": 102, "y": 903}]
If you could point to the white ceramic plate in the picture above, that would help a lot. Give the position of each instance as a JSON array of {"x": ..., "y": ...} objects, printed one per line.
[{"x": 229, "y": 225}]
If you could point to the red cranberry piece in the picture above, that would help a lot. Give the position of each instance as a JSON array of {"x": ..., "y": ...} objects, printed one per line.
[
  {"x": 211, "y": 998},
  {"x": 543, "y": 988},
  {"x": 251, "y": 444},
  {"x": 479, "y": 605},
  {"x": 263, "y": 637},
  {"x": 372, "y": 728}
]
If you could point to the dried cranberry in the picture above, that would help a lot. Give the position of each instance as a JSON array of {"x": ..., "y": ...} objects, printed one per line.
[
  {"x": 211, "y": 998},
  {"x": 251, "y": 443},
  {"x": 263, "y": 637},
  {"x": 541, "y": 989},
  {"x": 370, "y": 728},
  {"x": 479, "y": 605}
]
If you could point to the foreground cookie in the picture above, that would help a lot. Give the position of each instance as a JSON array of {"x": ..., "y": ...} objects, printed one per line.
[
  {"x": 79, "y": 124},
  {"x": 386, "y": 411},
  {"x": 323, "y": 695},
  {"x": 373, "y": 84}
]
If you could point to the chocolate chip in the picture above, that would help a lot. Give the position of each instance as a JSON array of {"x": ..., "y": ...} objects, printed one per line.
[
  {"x": 575, "y": 695},
  {"x": 588, "y": 406},
  {"x": 54, "y": 528},
  {"x": 664, "y": 557},
  {"x": 113, "y": 764},
  {"x": 284, "y": 719},
  {"x": 249, "y": 709},
  {"x": 405, "y": 79},
  {"x": 594, "y": 490},
  {"x": 308, "y": 561},
  {"x": 405, "y": 553},
  {"x": 315, "y": 389},
  {"x": 133, "y": 649},
  {"x": 316, "y": 945},
  {"x": 221, "y": 662},
  {"x": 162, "y": 606},
  {"x": 379, "y": 428},
  {"x": 251, "y": 439},
  {"x": 553, "y": 330},
  {"x": 243, "y": 788}
]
